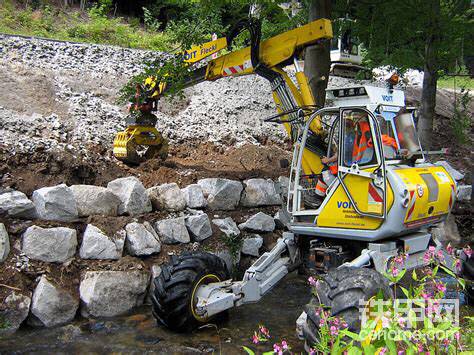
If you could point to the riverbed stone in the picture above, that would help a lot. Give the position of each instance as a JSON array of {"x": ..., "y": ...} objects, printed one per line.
[
  {"x": 52, "y": 305},
  {"x": 4, "y": 243},
  {"x": 455, "y": 174},
  {"x": 259, "y": 192},
  {"x": 142, "y": 239},
  {"x": 221, "y": 194},
  {"x": 55, "y": 203},
  {"x": 259, "y": 222},
  {"x": 16, "y": 205},
  {"x": 111, "y": 293},
  {"x": 464, "y": 193},
  {"x": 167, "y": 197},
  {"x": 49, "y": 244},
  {"x": 133, "y": 196},
  {"x": 194, "y": 196},
  {"x": 227, "y": 226},
  {"x": 172, "y": 230},
  {"x": 13, "y": 312},
  {"x": 252, "y": 245},
  {"x": 199, "y": 226},
  {"x": 97, "y": 245},
  {"x": 95, "y": 200}
]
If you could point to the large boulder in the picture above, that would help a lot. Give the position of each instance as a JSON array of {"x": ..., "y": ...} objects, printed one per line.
[
  {"x": 4, "y": 243},
  {"x": 199, "y": 226},
  {"x": 167, "y": 197},
  {"x": 194, "y": 196},
  {"x": 13, "y": 312},
  {"x": 282, "y": 186},
  {"x": 172, "y": 231},
  {"x": 17, "y": 205},
  {"x": 260, "y": 192},
  {"x": 49, "y": 244},
  {"x": 142, "y": 239},
  {"x": 227, "y": 226},
  {"x": 221, "y": 194},
  {"x": 252, "y": 245},
  {"x": 456, "y": 175},
  {"x": 95, "y": 200},
  {"x": 259, "y": 222},
  {"x": 52, "y": 305},
  {"x": 133, "y": 196},
  {"x": 56, "y": 203},
  {"x": 111, "y": 293},
  {"x": 97, "y": 245}
]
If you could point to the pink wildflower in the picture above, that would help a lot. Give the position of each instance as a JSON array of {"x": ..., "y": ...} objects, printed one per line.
[
  {"x": 457, "y": 335},
  {"x": 449, "y": 248},
  {"x": 284, "y": 345},
  {"x": 440, "y": 255},
  {"x": 334, "y": 330},
  {"x": 277, "y": 349},
  {"x": 440, "y": 287},
  {"x": 264, "y": 331},
  {"x": 457, "y": 265},
  {"x": 401, "y": 352},
  {"x": 401, "y": 322},
  {"x": 468, "y": 251},
  {"x": 425, "y": 295},
  {"x": 385, "y": 322},
  {"x": 446, "y": 342},
  {"x": 431, "y": 249},
  {"x": 255, "y": 338},
  {"x": 395, "y": 271},
  {"x": 321, "y": 322},
  {"x": 312, "y": 281},
  {"x": 383, "y": 351}
]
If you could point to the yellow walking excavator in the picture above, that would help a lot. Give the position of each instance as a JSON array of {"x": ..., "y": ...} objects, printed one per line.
[{"x": 359, "y": 192}]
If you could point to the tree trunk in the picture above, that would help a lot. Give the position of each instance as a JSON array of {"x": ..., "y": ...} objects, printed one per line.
[
  {"x": 430, "y": 80},
  {"x": 317, "y": 58}
]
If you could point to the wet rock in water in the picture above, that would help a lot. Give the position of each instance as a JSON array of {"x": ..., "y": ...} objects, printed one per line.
[
  {"x": 455, "y": 174},
  {"x": 172, "y": 231},
  {"x": 13, "y": 312},
  {"x": 227, "y": 226},
  {"x": 49, "y": 244},
  {"x": 133, "y": 196},
  {"x": 194, "y": 196},
  {"x": 4, "y": 243},
  {"x": 55, "y": 203},
  {"x": 97, "y": 245},
  {"x": 111, "y": 293},
  {"x": 259, "y": 192},
  {"x": 282, "y": 219},
  {"x": 252, "y": 245},
  {"x": 221, "y": 194},
  {"x": 199, "y": 226},
  {"x": 17, "y": 205},
  {"x": 51, "y": 305},
  {"x": 142, "y": 239},
  {"x": 259, "y": 222},
  {"x": 95, "y": 200},
  {"x": 447, "y": 232},
  {"x": 464, "y": 192},
  {"x": 168, "y": 197}
]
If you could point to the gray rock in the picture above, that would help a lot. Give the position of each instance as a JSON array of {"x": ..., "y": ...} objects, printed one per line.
[
  {"x": 259, "y": 222},
  {"x": 167, "y": 197},
  {"x": 231, "y": 261},
  {"x": 456, "y": 175},
  {"x": 447, "y": 232},
  {"x": 221, "y": 194},
  {"x": 95, "y": 200},
  {"x": 227, "y": 226},
  {"x": 51, "y": 305},
  {"x": 111, "y": 293},
  {"x": 172, "y": 231},
  {"x": 14, "y": 311},
  {"x": 97, "y": 245},
  {"x": 199, "y": 226},
  {"x": 133, "y": 196},
  {"x": 155, "y": 272},
  {"x": 194, "y": 196},
  {"x": 259, "y": 192},
  {"x": 17, "y": 205},
  {"x": 282, "y": 186},
  {"x": 56, "y": 203},
  {"x": 464, "y": 192},
  {"x": 282, "y": 219},
  {"x": 142, "y": 239},
  {"x": 252, "y": 245},
  {"x": 4, "y": 243},
  {"x": 49, "y": 244}
]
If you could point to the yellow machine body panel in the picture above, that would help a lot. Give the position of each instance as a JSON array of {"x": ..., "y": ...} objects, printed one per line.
[
  {"x": 431, "y": 194},
  {"x": 339, "y": 213},
  {"x": 198, "y": 53}
]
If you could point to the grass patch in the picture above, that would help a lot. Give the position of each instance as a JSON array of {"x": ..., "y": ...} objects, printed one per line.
[
  {"x": 90, "y": 27},
  {"x": 448, "y": 82}
]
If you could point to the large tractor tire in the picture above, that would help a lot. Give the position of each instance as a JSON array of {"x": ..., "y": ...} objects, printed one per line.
[
  {"x": 341, "y": 291},
  {"x": 174, "y": 297}
]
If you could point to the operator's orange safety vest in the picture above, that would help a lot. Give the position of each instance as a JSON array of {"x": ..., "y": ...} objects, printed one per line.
[
  {"x": 362, "y": 142},
  {"x": 389, "y": 141}
]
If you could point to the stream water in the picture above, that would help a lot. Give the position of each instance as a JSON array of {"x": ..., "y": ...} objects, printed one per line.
[{"x": 138, "y": 332}]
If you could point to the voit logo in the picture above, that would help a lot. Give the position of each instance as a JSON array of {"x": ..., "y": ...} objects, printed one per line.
[
  {"x": 344, "y": 204},
  {"x": 387, "y": 98}
]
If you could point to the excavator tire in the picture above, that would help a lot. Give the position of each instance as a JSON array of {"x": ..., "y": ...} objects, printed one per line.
[
  {"x": 173, "y": 297},
  {"x": 340, "y": 291}
]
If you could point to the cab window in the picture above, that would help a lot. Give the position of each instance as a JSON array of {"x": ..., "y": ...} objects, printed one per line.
[{"x": 358, "y": 142}]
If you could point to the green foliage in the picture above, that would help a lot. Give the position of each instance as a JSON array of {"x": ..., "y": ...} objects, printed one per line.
[
  {"x": 101, "y": 9},
  {"x": 4, "y": 323},
  {"x": 461, "y": 123},
  {"x": 234, "y": 244},
  {"x": 150, "y": 21}
]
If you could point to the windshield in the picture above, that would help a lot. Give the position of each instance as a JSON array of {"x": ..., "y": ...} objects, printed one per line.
[{"x": 407, "y": 136}]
